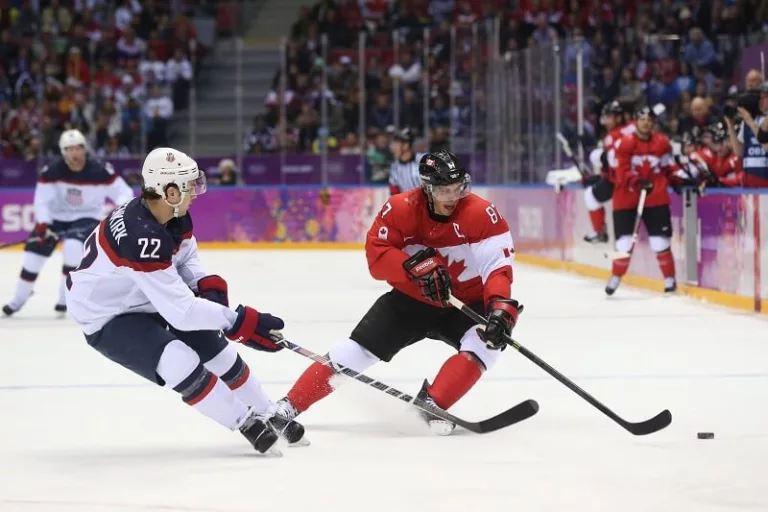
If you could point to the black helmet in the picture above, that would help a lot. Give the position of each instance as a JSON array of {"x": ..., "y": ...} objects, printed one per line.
[
  {"x": 690, "y": 138},
  {"x": 404, "y": 135},
  {"x": 718, "y": 131},
  {"x": 645, "y": 111},
  {"x": 612, "y": 108},
  {"x": 441, "y": 168}
]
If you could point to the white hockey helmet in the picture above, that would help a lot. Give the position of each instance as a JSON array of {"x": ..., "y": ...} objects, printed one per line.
[
  {"x": 71, "y": 138},
  {"x": 166, "y": 166}
]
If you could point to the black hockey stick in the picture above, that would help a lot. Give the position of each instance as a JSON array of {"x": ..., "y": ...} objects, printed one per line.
[
  {"x": 516, "y": 414},
  {"x": 658, "y": 422}
]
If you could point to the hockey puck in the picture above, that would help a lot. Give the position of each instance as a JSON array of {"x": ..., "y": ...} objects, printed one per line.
[{"x": 706, "y": 435}]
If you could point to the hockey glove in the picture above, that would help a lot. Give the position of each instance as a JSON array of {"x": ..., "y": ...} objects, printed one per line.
[
  {"x": 426, "y": 270},
  {"x": 44, "y": 234},
  {"x": 252, "y": 329},
  {"x": 638, "y": 184},
  {"x": 590, "y": 179},
  {"x": 213, "y": 288},
  {"x": 501, "y": 320}
]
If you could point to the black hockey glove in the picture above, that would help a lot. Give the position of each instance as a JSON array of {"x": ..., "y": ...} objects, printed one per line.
[
  {"x": 43, "y": 234},
  {"x": 638, "y": 184},
  {"x": 427, "y": 271},
  {"x": 213, "y": 288},
  {"x": 590, "y": 179},
  {"x": 253, "y": 329},
  {"x": 501, "y": 319}
]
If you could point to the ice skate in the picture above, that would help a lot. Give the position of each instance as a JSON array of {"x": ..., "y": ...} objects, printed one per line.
[
  {"x": 283, "y": 422},
  {"x": 61, "y": 310},
  {"x": 255, "y": 429},
  {"x": 670, "y": 285},
  {"x": 437, "y": 426},
  {"x": 597, "y": 238},
  {"x": 612, "y": 285}
]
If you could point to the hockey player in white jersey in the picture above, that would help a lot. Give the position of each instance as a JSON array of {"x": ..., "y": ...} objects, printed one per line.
[
  {"x": 134, "y": 297},
  {"x": 68, "y": 203}
]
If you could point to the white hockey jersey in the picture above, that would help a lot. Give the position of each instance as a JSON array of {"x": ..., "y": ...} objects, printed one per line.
[
  {"x": 64, "y": 195},
  {"x": 133, "y": 264}
]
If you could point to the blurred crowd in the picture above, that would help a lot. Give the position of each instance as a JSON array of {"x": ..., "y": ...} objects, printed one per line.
[
  {"x": 116, "y": 71},
  {"x": 408, "y": 81}
]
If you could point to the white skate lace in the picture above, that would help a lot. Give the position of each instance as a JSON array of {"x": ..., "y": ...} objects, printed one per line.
[{"x": 286, "y": 410}]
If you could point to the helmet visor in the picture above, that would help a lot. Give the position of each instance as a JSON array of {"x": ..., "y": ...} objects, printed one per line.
[
  {"x": 452, "y": 192},
  {"x": 198, "y": 186}
]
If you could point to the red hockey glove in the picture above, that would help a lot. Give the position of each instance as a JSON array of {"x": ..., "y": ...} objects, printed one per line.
[
  {"x": 425, "y": 269},
  {"x": 252, "y": 329},
  {"x": 213, "y": 288},
  {"x": 638, "y": 184},
  {"x": 44, "y": 234},
  {"x": 501, "y": 319}
]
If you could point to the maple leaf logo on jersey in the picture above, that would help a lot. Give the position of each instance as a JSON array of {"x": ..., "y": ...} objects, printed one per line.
[
  {"x": 456, "y": 268},
  {"x": 455, "y": 263},
  {"x": 645, "y": 165}
]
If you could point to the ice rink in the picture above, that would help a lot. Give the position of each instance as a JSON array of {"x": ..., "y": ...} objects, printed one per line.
[{"x": 80, "y": 434}]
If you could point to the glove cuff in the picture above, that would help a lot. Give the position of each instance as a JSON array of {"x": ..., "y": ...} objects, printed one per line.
[{"x": 508, "y": 306}]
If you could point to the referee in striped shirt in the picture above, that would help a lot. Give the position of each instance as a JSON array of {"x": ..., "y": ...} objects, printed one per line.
[{"x": 404, "y": 171}]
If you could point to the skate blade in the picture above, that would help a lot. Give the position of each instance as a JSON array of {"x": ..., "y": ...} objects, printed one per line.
[
  {"x": 272, "y": 453},
  {"x": 301, "y": 443},
  {"x": 441, "y": 428}
]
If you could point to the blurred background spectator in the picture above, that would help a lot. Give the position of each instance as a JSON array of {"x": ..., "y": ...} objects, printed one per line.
[{"x": 115, "y": 70}]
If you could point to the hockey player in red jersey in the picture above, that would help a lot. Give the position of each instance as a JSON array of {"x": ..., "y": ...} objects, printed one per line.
[
  {"x": 644, "y": 162},
  {"x": 428, "y": 243},
  {"x": 726, "y": 167},
  {"x": 600, "y": 187}
]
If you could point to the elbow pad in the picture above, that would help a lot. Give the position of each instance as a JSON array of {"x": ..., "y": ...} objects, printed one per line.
[{"x": 762, "y": 136}]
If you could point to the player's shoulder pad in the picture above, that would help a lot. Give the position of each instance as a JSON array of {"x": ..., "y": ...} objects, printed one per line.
[
  {"x": 132, "y": 237},
  {"x": 401, "y": 205},
  {"x": 478, "y": 218},
  {"x": 95, "y": 172}
]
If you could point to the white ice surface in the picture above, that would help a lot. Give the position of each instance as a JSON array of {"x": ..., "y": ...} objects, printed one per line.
[{"x": 80, "y": 434}]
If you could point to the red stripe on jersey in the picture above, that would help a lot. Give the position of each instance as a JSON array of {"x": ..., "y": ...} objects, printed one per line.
[{"x": 119, "y": 261}]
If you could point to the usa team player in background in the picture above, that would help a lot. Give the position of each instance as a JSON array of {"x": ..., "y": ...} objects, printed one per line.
[
  {"x": 143, "y": 300},
  {"x": 68, "y": 203}
]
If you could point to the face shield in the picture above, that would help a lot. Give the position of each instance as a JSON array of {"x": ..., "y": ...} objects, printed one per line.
[{"x": 452, "y": 192}]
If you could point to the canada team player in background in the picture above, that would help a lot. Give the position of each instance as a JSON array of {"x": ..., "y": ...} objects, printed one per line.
[
  {"x": 69, "y": 201},
  {"x": 427, "y": 243},
  {"x": 133, "y": 296},
  {"x": 644, "y": 162},
  {"x": 599, "y": 188}
]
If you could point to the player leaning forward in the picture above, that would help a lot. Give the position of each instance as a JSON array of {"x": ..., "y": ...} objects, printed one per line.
[
  {"x": 69, "y": 201},
  {"x": 426, "y": 243},
  {"x": 132, "y": 296}
]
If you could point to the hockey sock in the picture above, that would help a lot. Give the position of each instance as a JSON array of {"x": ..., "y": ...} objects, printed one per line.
[
  {"x": 597, "y": 217},
  {"x": 63, "y": 287},
  {"x": 313, "y": 385},
  {"x": 31, "y": 267},
  {"x": 208, "y": 394},
  {"x": 246, "y": 386},
  {"x": 457, "y": 376},
  {"x": 620, "y": 266},
  {"x": 666, "y": 263}
]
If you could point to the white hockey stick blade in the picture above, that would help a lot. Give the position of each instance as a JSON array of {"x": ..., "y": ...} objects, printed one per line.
[{"x": 563, "y": 176}]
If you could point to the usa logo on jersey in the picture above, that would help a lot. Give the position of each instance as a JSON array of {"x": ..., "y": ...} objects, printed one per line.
[{"x": 74, "y": 197}]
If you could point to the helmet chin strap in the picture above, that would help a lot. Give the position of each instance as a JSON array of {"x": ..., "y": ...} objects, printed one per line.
[{"x": 177, "y": 205}]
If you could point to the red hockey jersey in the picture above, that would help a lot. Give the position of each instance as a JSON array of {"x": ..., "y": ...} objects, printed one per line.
[
  {"x": 727, "y": 168},
  {"x": 609, "y": 145},
  {"x": 475, "y": 244},
  {"x": 642, "y": 159}
]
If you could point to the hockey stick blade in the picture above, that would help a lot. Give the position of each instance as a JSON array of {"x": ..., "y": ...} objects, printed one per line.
[
  {"x": 516, "y": 414},
  {"x": 616, "y": 255},
  {"x": 658, "y": 422}
]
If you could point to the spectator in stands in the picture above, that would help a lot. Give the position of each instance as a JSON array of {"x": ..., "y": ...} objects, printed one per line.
[
  {"x": 178, "y": 73},
  {"x": 128, "y": 90},
  {"x": 158, "y": 110},
  {"x": 300, "y": 26},
  {"x": 350, "y": 145},
  {"x": 753, "y": 80},
  {"x": 408, "y": 70},
  {"x": 56, "y": 18},
  {"x": 114, "y": 149},
  {"x": 261, "y": 138},
  {"x": 381, "y": 115},
  {"x": 699, "y": 51},
  {"x": 152, "y": 69},
  {"x": 130, "y": 47},
  {"x": 227, "y": 173},
  {"x": 700, "y": 115},
  {"x": 126, "y": 9}
]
